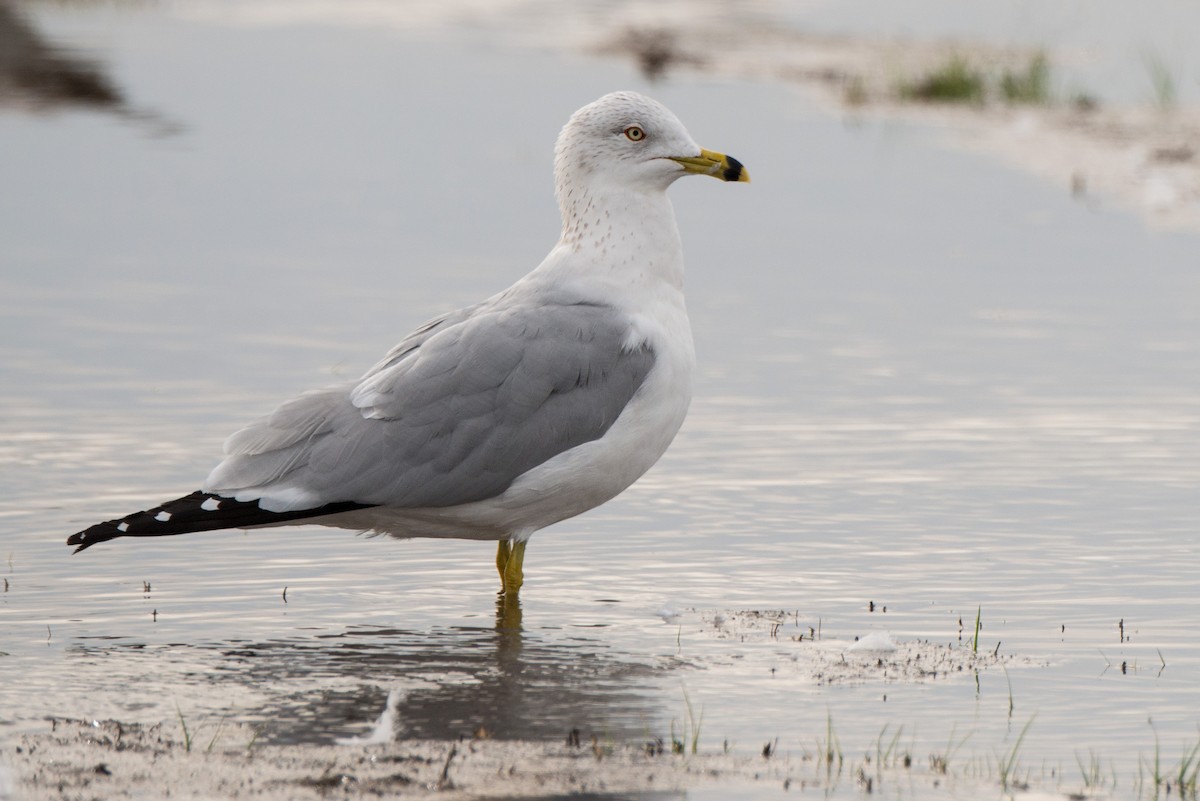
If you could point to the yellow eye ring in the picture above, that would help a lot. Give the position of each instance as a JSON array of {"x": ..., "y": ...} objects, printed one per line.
[{"x": 634, "y": 134}]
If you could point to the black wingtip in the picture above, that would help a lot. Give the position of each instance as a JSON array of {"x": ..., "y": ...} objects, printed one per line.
[
  {"x": 91, "y": 535},
  {"x": 200, "y": 511}
]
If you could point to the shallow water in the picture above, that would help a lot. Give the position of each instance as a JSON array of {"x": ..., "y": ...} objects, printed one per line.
[{"x": 926, "y": 382}]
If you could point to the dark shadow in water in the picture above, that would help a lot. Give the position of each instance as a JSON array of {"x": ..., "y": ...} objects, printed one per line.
[
  {"x": 453, "y": 682},
  {"x": 40, "y": 75}
]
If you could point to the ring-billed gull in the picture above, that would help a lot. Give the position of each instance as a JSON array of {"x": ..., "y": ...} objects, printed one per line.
[{"x": 501, "y": 418}]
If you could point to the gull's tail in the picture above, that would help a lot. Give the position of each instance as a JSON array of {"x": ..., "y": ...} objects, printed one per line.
[{"x": 200, "y": 511}]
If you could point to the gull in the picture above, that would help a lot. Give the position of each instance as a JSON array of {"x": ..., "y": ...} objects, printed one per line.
[{"x": 504, "y": 417}]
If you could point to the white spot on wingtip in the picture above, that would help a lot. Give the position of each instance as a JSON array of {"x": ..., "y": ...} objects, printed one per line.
[
  {"x": 122, "y": 527},
  {"x": 210, "y": 505},
  {"x": 162, "y": 517}
]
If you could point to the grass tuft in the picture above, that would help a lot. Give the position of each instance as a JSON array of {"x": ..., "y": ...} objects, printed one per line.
[
  {"x": 1162, "y": 80},
  {"x": 956, "y": 81},
  {"x": 1008, "y": 764},
  {"x": 689, "y": 736},
  {"x": 959, "y": 80},
  {"x": 187, "y": 736},
  {"x": 1030, "y": 85},
  {"x": 830, "y": 751},
  {"x": 693, "y": 722},
  {"x": 216, "y": 735},
  {"x": 1189, "y": 772},
  {"x": 1154, "y": 768},
  {"x": 257, "y": 732},
  {"x": 940, "y": 763},
  {"x": 1092, "y": 778}
]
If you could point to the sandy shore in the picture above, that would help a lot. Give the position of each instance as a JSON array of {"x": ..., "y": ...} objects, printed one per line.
[
  {"x": 107, "y": 759},
  {"x": 74, "y": 759}
]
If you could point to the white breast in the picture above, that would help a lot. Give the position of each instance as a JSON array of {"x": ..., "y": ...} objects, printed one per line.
[{"x": 641, "y": 277}]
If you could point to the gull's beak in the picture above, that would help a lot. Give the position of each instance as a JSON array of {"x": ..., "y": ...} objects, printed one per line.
[{"x": 718, "y": 165}]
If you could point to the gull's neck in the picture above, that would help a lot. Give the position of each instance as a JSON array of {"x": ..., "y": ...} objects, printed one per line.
[{"x": 622, "y": 235}]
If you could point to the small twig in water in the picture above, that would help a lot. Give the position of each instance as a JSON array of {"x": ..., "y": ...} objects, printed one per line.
[
  {"x": 1010, "y": 695},
  {"x": 444, "y": 782}
]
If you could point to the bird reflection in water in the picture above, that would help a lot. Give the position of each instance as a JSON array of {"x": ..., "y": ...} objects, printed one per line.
[
  {"x": 449, "y": 682},
  {"x": 453, "y": 682},
  {"x": 508, "y": 616}
]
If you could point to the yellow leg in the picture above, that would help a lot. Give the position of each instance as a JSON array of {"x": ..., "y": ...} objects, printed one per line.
[
  {"x": 512, "y": 574},
  {"x": 502, "y": 554}
]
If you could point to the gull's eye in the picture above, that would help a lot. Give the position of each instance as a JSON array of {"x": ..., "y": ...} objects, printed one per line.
[{"x": 634, "y": 134}]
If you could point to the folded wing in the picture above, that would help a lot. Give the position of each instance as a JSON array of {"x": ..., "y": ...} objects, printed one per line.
[{"x": 453, "y": 415}]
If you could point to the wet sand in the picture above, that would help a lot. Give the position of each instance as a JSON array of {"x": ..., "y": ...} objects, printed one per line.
[
  {"x": 109, "y": 759},
  {"x": 70, "y": 759}
]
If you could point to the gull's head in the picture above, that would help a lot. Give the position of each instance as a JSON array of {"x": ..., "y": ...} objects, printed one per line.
[{"x": 625, "y": 140}]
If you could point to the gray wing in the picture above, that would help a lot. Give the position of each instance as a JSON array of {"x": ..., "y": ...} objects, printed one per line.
[{"x": 454, "y": 414}]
